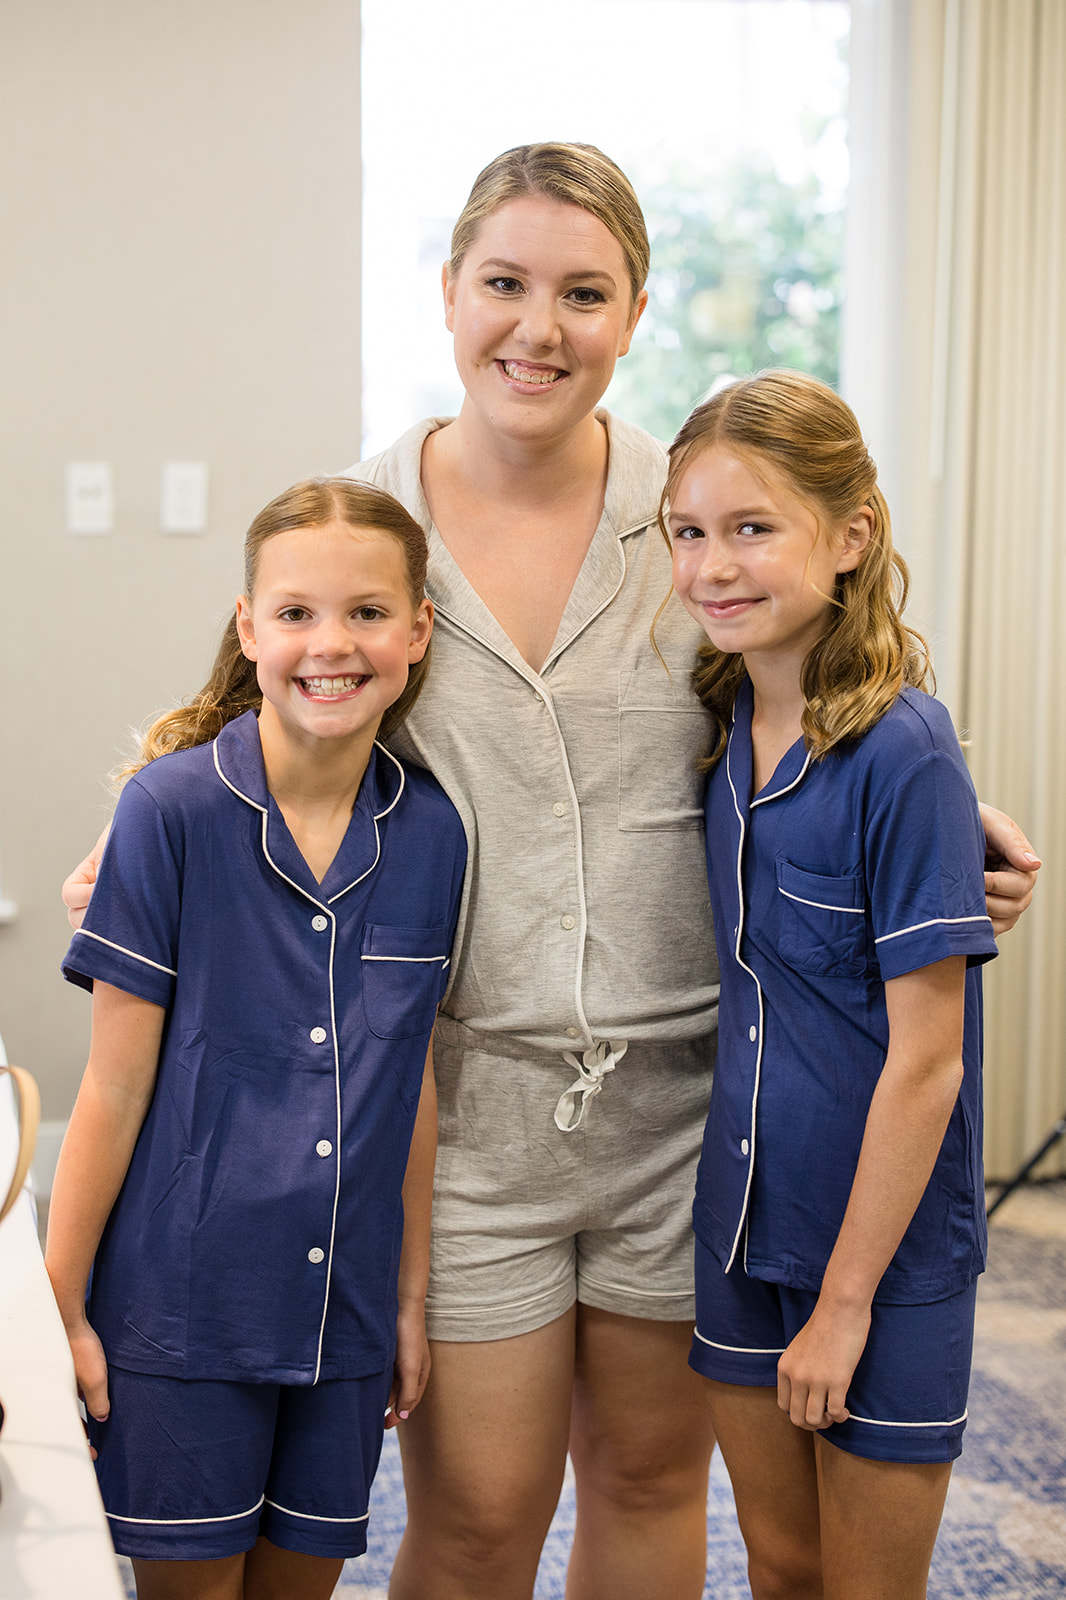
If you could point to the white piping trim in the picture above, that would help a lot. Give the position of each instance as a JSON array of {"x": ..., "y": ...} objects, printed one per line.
[
  {"x": 537, "y": 683},
  {"x": 332, "y": 1009},
  {"x": 423, "y": 960},
  {"x": 934, "y": 922},
  {"x": 873, "y": 1422},
  {"x": 338, "y": 1140},
  {"x": 741, "y": 1349},
  {"x": 821, "y": 905},
  {"x": 88, "y": 934},
  {"x": 761, "y": 799},
  {"x": 307, "y": 1516},
  {"x": 187, "y": 1522},
  {"x": 403, "y": 783},
  {"x": 758, "y": 990}
]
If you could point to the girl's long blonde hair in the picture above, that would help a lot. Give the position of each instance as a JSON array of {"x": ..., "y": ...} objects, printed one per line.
[
  {"x": 233, "y": 687},
  {"x": 793, "y": 428}
]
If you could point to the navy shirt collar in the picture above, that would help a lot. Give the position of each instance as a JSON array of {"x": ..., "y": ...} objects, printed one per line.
[
  {"x": 239, "y": 763},
  {"x": 790, "y": 771}
]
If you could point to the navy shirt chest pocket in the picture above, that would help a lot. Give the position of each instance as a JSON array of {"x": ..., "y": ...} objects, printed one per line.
[
  {"x": 404, "y": 972},
  {"x": 823, "y": 921}
]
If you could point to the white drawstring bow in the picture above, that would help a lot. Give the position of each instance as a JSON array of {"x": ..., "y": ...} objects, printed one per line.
[{"x": 593, "y": 1067}]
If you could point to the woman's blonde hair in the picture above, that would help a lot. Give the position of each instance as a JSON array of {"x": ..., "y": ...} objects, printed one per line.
[
  {"x": 233, "y": 687},
  {"x": 577, "y": 175},
  {"x": 794, "y": 429}
]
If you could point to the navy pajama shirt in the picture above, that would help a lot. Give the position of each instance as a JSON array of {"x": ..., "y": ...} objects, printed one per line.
[
  {"x": 257, "y": 1236},
  {"x": 840, "y": 875}
]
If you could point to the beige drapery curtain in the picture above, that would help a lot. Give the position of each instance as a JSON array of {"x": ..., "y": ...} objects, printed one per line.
[{"x": 955, "y": 359}]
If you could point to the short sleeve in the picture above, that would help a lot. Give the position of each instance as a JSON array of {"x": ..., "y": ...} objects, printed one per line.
[
  {"x": 925, "y": 868},
  {"x": 129, "y": 937}
]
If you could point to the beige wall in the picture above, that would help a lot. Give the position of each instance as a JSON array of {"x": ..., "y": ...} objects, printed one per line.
[{"x": 179, "y": 279}]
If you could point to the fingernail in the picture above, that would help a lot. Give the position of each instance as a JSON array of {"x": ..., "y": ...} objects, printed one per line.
[{"x": 403, "y": 1415}]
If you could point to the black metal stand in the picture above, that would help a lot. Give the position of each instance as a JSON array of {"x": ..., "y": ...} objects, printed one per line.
[{"x": 1023, "y": 1171}]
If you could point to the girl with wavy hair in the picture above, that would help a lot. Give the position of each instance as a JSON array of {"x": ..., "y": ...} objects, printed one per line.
[{"x": 839, "y": 1205}]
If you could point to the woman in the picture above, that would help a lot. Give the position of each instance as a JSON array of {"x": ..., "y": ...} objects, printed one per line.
[{"x": 574, "y": 1052}]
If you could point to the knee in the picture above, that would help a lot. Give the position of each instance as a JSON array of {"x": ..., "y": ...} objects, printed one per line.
[
  {"x": 483, "y": 1543},
  {"x": 639, "y": 1479},
  {"x": 785, "y": 1573}
]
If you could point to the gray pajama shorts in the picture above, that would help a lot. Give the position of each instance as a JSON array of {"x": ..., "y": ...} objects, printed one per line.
[{"x": 527, "y": 1219}]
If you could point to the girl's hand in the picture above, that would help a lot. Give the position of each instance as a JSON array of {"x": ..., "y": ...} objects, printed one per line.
[
  {"x": 814, "y": 1373},
  {"x": 1010, "y": 869},
  {"x": 411, "y": 1370},
  {"x": 90, "y": 1371}
]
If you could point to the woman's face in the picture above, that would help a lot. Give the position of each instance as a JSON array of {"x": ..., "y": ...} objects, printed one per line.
[{"x": 541, "y": 309}]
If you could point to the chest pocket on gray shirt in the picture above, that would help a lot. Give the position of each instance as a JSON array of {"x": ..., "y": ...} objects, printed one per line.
[
  {"x": 403, "y": 978},
  {"x": 662, "y": 733}
]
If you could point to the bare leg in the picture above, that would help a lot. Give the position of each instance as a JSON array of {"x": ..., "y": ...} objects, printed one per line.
[
  {"x": 772, "y": 1468},
  {"x": 879, "y": 1524},
  {"x": 483, "y": 1459},
  {"x": 641, "y": 1444},
  {"x": 271, "y": 1573},
  {"x": 266, "y": 1573},
  {"x": 190, "y": 1580}
]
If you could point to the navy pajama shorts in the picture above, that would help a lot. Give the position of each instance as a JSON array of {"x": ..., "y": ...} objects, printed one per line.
[
  {"x": 196, "y": 1471},
  {"x": 907, "y": 1396}
]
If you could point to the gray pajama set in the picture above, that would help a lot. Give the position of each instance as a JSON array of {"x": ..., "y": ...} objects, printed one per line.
[{"x": 574, "y": 1046}]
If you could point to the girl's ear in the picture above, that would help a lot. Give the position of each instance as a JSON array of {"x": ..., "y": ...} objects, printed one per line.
[
  {"x": 857, "y": 536},
  {"x": 245, "y": 630},
  {"x": 421, "y": 629}
]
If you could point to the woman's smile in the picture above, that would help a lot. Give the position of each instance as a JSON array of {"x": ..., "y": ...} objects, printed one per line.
[{"x": 541, "y": 308}]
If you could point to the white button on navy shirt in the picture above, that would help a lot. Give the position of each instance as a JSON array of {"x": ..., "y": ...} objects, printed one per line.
[
  {"x": 319, "y": 923},
  {"x": 316, "y": 1255},
  {"x": 324, "y": 1147},
  {"x": 318, "y": 1035}
]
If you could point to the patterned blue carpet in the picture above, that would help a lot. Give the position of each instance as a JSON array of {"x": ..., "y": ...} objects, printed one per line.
[{"x": 1004, "y": 1531}]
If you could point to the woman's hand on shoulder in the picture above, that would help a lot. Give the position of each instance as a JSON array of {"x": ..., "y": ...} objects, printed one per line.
[
  {"x": 411, "y": 1369},
  {"x": 78, "y": 888},
  {"x": 1011, "y": 866}
]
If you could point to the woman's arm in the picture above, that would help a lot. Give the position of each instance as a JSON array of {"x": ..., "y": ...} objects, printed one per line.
[
  {"x": 108, "y": 1114},
  {"x": 905, "y": 1128},
  {"x": 1010, "y": 869},
  {"x": 412, "y": 1346}
]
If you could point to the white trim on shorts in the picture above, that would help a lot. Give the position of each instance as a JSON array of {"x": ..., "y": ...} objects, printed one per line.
[
  {"x": 187, "y": 1522},
  {"x": 309, "y": 1516},
  {"x": 873, "y": 1422},
  {"x": 742, "y": 1349}
]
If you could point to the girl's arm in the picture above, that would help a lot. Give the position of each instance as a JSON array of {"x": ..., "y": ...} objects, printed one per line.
[
  {"x": 412, "y": 1346},
  {"x": 905, "y": 1128},
  {"x": 111, "y": 1106}
]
